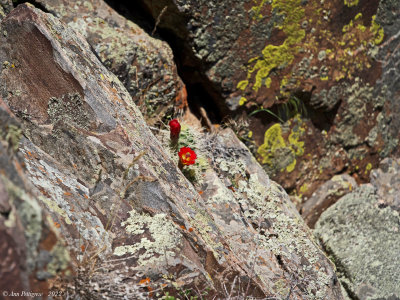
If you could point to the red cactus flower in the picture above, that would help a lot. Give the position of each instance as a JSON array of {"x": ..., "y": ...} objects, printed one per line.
[
  {"x": 187, "y": 156},
  {"x": 175, "y": 129}
]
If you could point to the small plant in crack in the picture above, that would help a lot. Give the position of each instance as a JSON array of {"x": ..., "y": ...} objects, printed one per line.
[{"x": 285, "y": 111}]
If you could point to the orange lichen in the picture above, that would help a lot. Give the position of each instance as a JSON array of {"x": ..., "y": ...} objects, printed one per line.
[{"x": 145, "y": 281}]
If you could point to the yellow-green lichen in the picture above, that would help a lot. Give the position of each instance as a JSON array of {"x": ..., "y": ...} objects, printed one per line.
[
  {"x": 352, "y": 53},
  {"x": 351, "y": 3},
  {"x": 273, "y": 140},
  {"x": 355, "y": 43},
  {"x": 377, "y": 31},
  {"x": 54, "y": 207},
  {"x": 277, "y": 56},
  {"x": 242, "y": 100},
  {"x": 257, "y": 9},
  {"x": 303, "y": 188},
  {"x": 275, "y": 146},
  {"x": 368, "y": 168},
  {"x": 242, "y": 84}
]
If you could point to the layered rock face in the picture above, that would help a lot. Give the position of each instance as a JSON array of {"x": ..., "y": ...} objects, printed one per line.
[
  {"x": 31, "y": 250},
  {"x": 143, "y": 64},
  {"x": 134, "y": 225},
  {"x": 361, "y": 233},
  {"x": 316, "y": 80}
]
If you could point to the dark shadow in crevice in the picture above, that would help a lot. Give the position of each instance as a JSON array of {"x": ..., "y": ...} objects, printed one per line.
[
  {"x": 34, "y": 3},
  {"x": 201, "y": 92},
  {"x": 134, "y": 11},
  {"x": 321, "y": 119}
]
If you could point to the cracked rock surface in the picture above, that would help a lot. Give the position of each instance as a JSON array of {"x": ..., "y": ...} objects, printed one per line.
[{"x": 133, "y": 224}]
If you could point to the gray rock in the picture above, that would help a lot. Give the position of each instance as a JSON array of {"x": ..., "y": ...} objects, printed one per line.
[
  {"x": 386, "y": 180},
  {"x": 361, "y": 234}
]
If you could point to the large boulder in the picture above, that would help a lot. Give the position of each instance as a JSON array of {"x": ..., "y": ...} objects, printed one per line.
[
  {"x": 145, "y": 65},
  {"x": 361, "y": 234},
  {"x": 32, "y": 252},
  {"x": 135, "y": 226},
  {"x": 315, "y": 80}
]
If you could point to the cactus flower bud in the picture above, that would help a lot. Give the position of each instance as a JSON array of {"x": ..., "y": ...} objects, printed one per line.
[{"x": 175, "y": 129}]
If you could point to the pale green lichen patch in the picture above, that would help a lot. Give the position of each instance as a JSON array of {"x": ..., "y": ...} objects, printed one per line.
[
  {"x": 269, "y": 202},
  {"x": 359, "y": 97},
  {"x": 13, "y": 136},
  {"x": 231, "y": 166},
  {"x": 59, "y": 259},
  {"x": 160, "y": 248},
  {"x": 53, "y": 206},
  {"x": 70, "y": 109},
  {"x": 364, "y": 240},
  {"x": 204, "y": 223},
  {"x": 59, "y": 194}
]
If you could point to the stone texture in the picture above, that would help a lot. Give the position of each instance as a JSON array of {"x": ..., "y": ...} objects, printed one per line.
[
  {"x": 243, "y": 202},
  {"x": 387, "y": 182},
  {"x": 134, "y": 225},
  {"x": 145, "y": 65},
  {"x": 316, "y": 80},
  {"x": 31, "y": 250},
  {"x": 5, "y": 7},
  {"x": 326, "y": 195},
  {"x": 361, "y": 233}
]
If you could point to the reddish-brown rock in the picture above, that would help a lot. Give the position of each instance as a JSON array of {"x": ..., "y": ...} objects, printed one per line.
[
  {"x": 31, "y": 250},
  {"x": 145, "y": 65}
]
